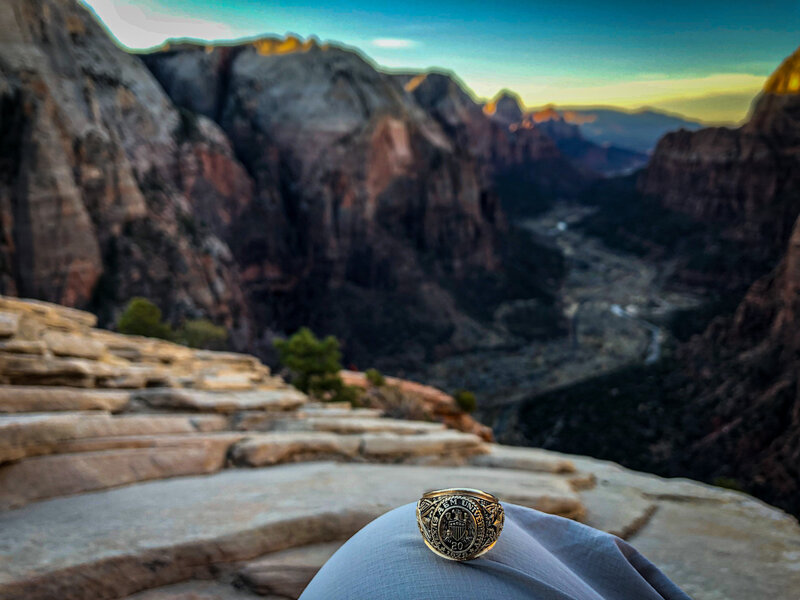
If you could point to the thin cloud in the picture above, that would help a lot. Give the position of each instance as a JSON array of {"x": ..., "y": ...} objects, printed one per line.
[{"x": 393, "y": 43}]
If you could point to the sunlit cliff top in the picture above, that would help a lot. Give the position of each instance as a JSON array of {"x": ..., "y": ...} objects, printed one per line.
[{"x": 786, "y": 79}]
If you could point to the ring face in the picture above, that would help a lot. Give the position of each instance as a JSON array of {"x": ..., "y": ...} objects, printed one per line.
[{"x": 459, "y": 524}]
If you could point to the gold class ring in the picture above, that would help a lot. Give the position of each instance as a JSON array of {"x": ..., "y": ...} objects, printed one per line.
[{"x": 459, "y": 523}]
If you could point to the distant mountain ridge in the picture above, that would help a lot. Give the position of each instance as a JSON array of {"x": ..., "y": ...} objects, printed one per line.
[
  {"x": 637, "y": 130},
  {"x": 606, "y": 159},
  {"x": 507, "y": 110}
]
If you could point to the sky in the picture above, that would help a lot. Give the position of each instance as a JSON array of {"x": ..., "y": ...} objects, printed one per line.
[{"x": 705, "y": 59}]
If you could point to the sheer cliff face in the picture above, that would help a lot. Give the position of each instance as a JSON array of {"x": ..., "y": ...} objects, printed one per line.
[
  {"x": 746, "y": 374},
  {"x": 741, "y": 415},
  {"x": 747, "y": 179},
  {"x": 371, "y": 219},
  {"x": 355, "y": 164},
  {"x": 105, "y": 190}
]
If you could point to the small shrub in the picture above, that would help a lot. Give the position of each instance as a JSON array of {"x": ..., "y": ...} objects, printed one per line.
[
  {"x": 375, "y": 377},
  {"x": 142, "y": 317},
  {"x": 202, "y": 333},
  {"x": 465, "y": 400},
  {"x": 314, "y": 365},
  {"x": 331, "y": 388}
]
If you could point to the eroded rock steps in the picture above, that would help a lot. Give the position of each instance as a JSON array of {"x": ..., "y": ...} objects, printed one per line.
[{"x": 142, "y": 469}]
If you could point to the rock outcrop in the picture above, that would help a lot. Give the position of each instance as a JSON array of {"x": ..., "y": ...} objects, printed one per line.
[
  {"x": 369, "y": 214},
  {"x": 254, "y": 486},
  {"x": 746, "y": 179},
  {"x": 106, "y": 190},
  {"x": 409, "y": 399},
  {"x": 83, "y": 409}
]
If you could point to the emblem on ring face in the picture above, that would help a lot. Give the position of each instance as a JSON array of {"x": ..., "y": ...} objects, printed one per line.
[{"x": 459, "y": 527}]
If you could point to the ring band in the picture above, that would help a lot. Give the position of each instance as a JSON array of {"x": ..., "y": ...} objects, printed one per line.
[{"x": 459, "y": 523}]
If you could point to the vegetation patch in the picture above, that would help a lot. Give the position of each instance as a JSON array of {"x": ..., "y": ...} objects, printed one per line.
[
  {"x": 375, "y": 377},
  {"x": 465, "y": 400},
  {"x": 142, "y": 317},
  {"x": 314, "y": 366}
]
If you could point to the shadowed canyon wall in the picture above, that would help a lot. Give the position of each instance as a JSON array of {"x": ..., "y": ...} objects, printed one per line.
[
  {"x": 274, "y": 184},
  {"x": 725, "y": 405},
  {"x": 377, "y": 215}
]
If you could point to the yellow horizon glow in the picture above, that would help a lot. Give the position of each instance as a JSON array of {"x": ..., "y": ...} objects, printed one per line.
[{"x": 686, "y": 96}]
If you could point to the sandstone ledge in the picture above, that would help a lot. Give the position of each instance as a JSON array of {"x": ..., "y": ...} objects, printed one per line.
[
  {"x": 34, "y": 434},
  {"x": 17, "y": 399},
  {"x": 213, "y": 401}
]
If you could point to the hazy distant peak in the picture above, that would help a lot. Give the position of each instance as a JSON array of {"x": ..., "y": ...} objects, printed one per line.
[
  {"x": 786, "y": 79},
  {"x": 506, "y": 106},
  {"x": 431, "y": 87},
  {"x": 436, "y": 81},
  {"x": 548, "y": 113}
]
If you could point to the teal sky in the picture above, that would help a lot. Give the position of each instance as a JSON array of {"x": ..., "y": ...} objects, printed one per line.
[{"x": 703, "y": 59}]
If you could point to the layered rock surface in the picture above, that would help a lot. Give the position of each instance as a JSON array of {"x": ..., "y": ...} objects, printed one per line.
[
  {"x": 194, "y": 490},
  {"x": 140, "y": 409}
]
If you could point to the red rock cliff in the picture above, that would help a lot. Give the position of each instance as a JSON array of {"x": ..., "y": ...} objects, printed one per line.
[{"x": 106, "y": 190}]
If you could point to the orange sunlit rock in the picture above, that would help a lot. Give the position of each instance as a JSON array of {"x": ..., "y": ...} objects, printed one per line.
[
  {"x": 548, "y": 113},
  {"x": 271, "y": 46},
  {"x": 786, "y": 80},
  {"x": 415, "y": 82},
  {"x": 578, "y": 118}
]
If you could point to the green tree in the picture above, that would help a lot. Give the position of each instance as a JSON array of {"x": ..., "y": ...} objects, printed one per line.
[
  {"x": 375, "y": 377},
  {"x": 466, "y": 400},
  {"x": 314, "y": 365},
  {"x": 142, "y": 317},
  {"x": 202, "y": 333}
]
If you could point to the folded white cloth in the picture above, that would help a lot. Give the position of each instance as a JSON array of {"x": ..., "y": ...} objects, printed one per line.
[{"x": 538, "y": 557}]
